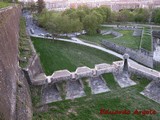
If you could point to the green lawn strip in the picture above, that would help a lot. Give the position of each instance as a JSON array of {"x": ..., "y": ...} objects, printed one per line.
[
  {"x": 58, "y": 55},
  {"x": 87, "y": 89},
  {"x": 106, "y": 28},
  {"x": 61, "y": 87},
  {"x": 88, "y": 107},
  {"x": 146, "y": 39},
  {"x": 4, "y": 4},
  {"x": 146, "y": 42},
  {"x": 96, "y": 38},
  {"x": 127, "y": 40}
]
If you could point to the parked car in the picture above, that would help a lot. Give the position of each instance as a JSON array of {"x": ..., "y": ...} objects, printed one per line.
[
  {"x": 48, "y": 35},
  {"x": 41, "y": 34},
  {"x": 31, "y": 30}
]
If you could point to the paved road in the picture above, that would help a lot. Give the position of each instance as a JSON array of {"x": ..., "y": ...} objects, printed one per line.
[{"x": 30, "y": 24}]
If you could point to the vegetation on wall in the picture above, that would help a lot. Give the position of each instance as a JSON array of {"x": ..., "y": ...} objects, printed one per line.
[{"x": 25, "y": 51}]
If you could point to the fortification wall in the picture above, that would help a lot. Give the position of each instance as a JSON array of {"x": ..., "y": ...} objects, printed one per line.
[
  {"x": 11, "y": 80},
  {"x": 141, "y": 57}
]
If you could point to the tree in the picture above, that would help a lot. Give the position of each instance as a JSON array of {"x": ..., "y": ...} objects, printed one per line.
[
  {"x": 90, "y": 23},
  {"x": 125, "y": 16},
  {"x": 113, "y": 17},
  {"x": 104, "y": 11},
  {"x": 156, "y": 16},
  {"x": 81, "y": 14},
  {"x": 33, "y": 6},
  {"x": 40, "y": 5},
  {"x": 141, "y": 15}
]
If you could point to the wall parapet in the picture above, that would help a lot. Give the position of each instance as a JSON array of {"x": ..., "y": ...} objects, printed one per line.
[{"x": 81, "y": 72}]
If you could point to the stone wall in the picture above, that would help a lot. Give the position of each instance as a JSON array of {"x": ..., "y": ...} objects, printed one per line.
[
  {"x": 81, "y": 72},
  {"x": 112, "y": 32},
  {"x": 10, "y": 75},
  {"x": 33, "y": 69},
  {"x": 149, "y": 75},
  {"x": 137, "y": 55}
]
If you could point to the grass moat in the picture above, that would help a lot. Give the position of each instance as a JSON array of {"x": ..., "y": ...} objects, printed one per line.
[{"x": 57, "y": 55}]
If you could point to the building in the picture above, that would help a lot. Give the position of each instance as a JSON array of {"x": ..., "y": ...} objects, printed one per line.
[{"x": 115, "y": 5}]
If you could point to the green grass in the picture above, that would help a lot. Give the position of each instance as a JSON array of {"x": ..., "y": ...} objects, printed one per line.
[
  {"x": 24, "y": 45},
  {"x": 4, "y": 4},
  {"x": 58, "y": 55},
  {"x": 88, "y": 107},
  {"x": 126, "y": 40},
  {"x": 146, "y": 39},
  {"x": 97, "y": 38}
]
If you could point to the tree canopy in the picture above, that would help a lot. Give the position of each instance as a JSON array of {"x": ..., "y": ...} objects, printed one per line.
[{"x": 84, "y": 18}]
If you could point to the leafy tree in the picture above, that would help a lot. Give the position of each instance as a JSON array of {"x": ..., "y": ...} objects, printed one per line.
[
  {"x": 141, "y": 15},
  {"x": 90, "y": 23},
  {"x": 104, "y": 11},
  {"x": 125, "y": 16},
  {"x": 81, "y": 14},
  {"x": 113, "y": 17},
  {"x": 156, "y": 16}
]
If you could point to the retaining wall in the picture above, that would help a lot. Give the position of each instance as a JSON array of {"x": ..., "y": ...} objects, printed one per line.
[
  {"x": 141, "y": 57},
  {"x": 13, "y": 105}
]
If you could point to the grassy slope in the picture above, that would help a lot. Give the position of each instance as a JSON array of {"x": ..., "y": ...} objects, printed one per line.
[
  {"x": 146, "y": 40},
  {"x": 97, "y": 38},
  {"x": 126, "y": 40},
  {"x": 88, "y": 108},
  {"x": 24, "y": 45},
  {"x": 59, "y": 55},
  {"x": 4, "y": 4}
]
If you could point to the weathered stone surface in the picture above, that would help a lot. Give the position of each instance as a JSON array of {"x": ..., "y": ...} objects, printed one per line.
[
  {"x": 123, "y": 80},
  {"x": 40, "y": 79},
  {"x": 24, "y": 103},
  {"x": 121, "y": 75},
  {"x": 74, "y": 89},
  {"x": 9, "y": 69},
  {"x": 144, "y": 58},
  {"x": 33, "y": 69},
  {"x": 143, "y": 71},
  {"x": 156, "y": 46},
  {"x": 50, "y": 94},
  {"x": 83, "y": 72},
  {"x": 98, "y": 85},
  {"x": 152, "y": 91},
  {"x": 61, "y": 75},
  {"x": 137, "y": 32},
  {"x": 103, "y": 68},
  {"x": 115, "y": 33}
]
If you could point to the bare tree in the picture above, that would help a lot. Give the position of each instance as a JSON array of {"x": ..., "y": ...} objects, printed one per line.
[{"x": 41, "y": 5}]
